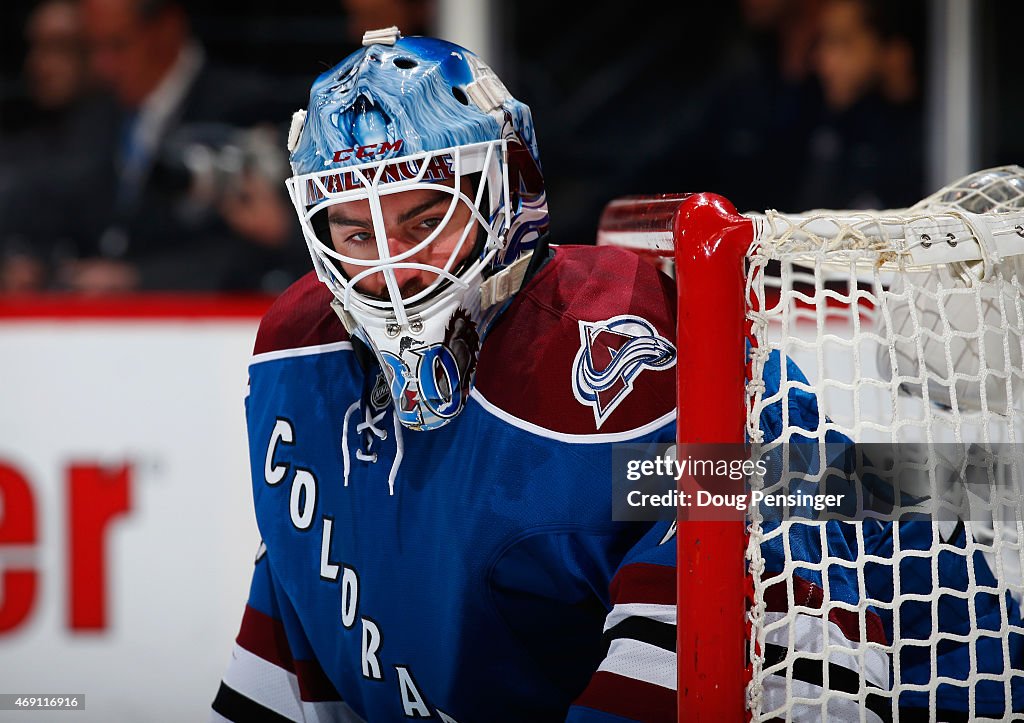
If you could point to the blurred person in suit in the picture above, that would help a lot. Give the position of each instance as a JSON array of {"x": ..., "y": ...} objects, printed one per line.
[
  {"x": 867, "y": 148},
  {"x": 179, "y": 186},
  {"x": 174, "y": 212}
]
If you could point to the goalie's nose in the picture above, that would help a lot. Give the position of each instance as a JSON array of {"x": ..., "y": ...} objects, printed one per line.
[
  {"x": 409, "y": 281},
  {"x": 412, "y": 285}
]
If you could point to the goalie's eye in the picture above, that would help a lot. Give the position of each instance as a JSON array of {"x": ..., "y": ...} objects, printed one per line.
[
  {"x": 348, "y": 235},
  {"x": 358, "y": 239}
]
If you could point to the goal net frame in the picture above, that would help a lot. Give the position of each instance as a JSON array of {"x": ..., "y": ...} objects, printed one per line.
[{"x": 959, "y": 228}]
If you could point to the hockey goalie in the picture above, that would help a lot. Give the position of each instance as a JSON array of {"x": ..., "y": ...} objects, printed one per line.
[{"x": 431, "y": 416}]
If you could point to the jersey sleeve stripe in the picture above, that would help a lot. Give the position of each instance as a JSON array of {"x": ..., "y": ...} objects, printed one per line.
[
  {"x": 644, "y": 582},
  {"x": 808, "y": 595},
  {"x": 808, "y": 635},
  {"x": 261, "y": 635},
  {"x": 661, "y": 613},
  {"x": 263, "y": 683},
  {"x": 234, "y": 706},
  {"x": 630, "y": 698},
  {"x": 645, "y": 630},
  {"x": 216, "y": 717},
  {"x": 641, "y": 661},
  {"x": 809, "y": 703},
  {"x": 285, "y": 694},
  {"x": 811, "y": 670}
]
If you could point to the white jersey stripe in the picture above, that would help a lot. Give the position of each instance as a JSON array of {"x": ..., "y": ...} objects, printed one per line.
[
  {"x": 594, "y": 438},
  {"x": 263, "y": 682},
  {"x": 865, "y": 659},
  {"x": 300, "y": 351},
  {"x": 641, "y": 661},
  {"x": 275, "y": 688},
  {"x": 821, "y": 705},
  {"x": 652, "y": 611}
]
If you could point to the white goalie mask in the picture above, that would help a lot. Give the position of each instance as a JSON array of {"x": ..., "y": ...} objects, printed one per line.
[{"x": 416, "y": 179}]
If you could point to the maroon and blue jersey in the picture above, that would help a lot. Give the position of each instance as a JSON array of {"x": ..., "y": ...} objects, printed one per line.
[{"x": 472, "y": 572}]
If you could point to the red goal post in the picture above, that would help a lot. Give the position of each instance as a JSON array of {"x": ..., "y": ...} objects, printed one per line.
[{"x": 708, "y": 240}]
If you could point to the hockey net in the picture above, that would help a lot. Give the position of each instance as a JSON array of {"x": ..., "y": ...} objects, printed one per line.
[{"x": 896, "y": 338}]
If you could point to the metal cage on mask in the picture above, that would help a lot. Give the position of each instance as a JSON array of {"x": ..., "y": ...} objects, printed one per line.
[
  {"x": 314, "y": 193},
  {"x": 427, "y": 341}
]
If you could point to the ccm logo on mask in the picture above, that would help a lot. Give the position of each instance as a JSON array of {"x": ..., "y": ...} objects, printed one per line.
[{"x": 370, "y": 151}]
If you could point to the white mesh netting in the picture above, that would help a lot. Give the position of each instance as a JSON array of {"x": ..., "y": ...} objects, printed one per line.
[{"x": 904, "y": 333}]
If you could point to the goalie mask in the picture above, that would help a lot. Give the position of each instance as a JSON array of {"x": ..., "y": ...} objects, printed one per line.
[{"x": 417, "y": 184}]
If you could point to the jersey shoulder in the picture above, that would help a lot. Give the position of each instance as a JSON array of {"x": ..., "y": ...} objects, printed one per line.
[
  {"x": 586, "y": 347},
  {"x": 300, "y": 317}
]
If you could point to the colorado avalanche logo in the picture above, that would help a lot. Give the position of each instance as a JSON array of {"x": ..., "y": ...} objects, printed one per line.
[{"x": 612, "y": 354}]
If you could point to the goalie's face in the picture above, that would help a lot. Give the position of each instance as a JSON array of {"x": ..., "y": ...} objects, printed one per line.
[
  {"x": 405, "y": 260},
  {"x": 430, "y": 223},
  {"x": 417, "y": 179}
]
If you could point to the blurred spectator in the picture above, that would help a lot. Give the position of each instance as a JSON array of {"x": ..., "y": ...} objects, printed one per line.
[
  {"x": 54, "y": 63},
  {"x": 747, "y": 137},
  {"x": 39, "y": 128},
  {"x": 612, "y": 94},
  {"x": 178, "y": 186},
  {"x": 53, "y": 73},
  {"x": 867, "y": 151}
]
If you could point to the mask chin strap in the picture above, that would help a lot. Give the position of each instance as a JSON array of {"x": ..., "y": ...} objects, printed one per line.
[
  {"x": 364, "y": 355},
  {"x": 502, "y": 285},
  {"x": 507, "y": 282},
  {"x": 346, "y": 318}
]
